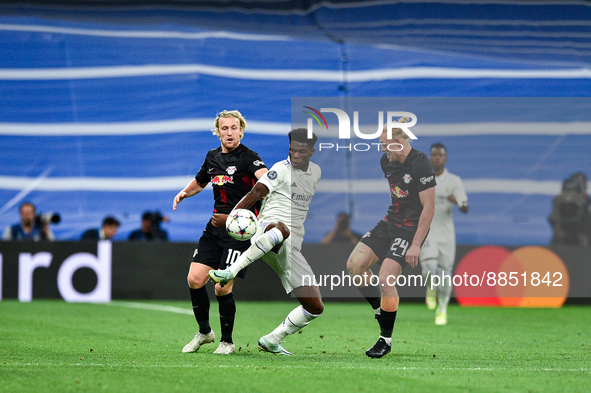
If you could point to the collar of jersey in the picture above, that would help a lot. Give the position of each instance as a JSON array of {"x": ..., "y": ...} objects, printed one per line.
[
  {"x": 233, "y": 151},
  {"x": 443, "y": 174}
]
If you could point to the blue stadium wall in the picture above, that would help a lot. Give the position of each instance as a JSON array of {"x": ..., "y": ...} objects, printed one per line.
[{"x": 108, "y": 111}]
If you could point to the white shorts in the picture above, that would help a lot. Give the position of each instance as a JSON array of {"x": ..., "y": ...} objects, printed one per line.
[
  {"x": 289, "y": 263},
  {"x": 443, "y": 252}
]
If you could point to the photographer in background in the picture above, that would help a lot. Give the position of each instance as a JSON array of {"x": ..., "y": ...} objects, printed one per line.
[
  {"x": 341, "y": 232},
  {"x": 571, "y": 213},
  {"x": 150, "y": 230},
  {"x": 31, "y": 227},
  {"x": 106, "y": 232}
]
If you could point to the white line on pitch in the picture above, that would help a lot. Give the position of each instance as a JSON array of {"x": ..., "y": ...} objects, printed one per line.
[{"x": 153, "y": 307}]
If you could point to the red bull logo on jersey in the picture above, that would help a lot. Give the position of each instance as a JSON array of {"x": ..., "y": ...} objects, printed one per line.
[
  {"x": 396, "y": 191},
  {"x": 220, "y": 180}
]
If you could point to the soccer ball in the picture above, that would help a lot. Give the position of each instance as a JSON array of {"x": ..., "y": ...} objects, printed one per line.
[{"x": 241, "y": 224}]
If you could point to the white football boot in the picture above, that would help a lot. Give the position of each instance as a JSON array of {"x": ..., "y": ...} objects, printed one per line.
[
  {"x": 198, "y": 341},
  {"x": 225, "y": 348}
]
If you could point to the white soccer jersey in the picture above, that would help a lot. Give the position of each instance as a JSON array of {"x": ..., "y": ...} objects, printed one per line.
[
  {"x": 442, "y": 226},
  {"x": 290, "y": 193}
]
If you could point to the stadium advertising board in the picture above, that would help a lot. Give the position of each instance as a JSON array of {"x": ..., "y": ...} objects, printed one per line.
[{"x": 91, "y": 272}]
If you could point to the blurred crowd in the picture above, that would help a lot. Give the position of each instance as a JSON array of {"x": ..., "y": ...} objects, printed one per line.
[{"x": 37, "y": 227}]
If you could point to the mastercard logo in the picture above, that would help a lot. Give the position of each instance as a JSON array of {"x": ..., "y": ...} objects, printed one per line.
[{"x": 530, "y": 276}]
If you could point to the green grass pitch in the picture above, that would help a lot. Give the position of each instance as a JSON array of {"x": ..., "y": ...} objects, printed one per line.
[{"x": 53, "y": 346}]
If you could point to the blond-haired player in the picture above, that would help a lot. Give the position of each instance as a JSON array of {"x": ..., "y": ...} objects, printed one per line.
[{"x": 233, "y": 170}]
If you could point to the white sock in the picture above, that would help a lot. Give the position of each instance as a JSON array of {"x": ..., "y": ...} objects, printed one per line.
[
  {"x": 429, "y": 269},
  {"x": 261, "y": 246},
  {"x": 444, "y": 291},
  {"x": 387, "y": 339},
  {"x": 296, "y": 320}
]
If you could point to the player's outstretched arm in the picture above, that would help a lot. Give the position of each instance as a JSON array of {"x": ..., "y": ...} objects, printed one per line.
[
  {"x": 258, "y": 192},
  {"x": 218, "y": 219},
  {"x": 428, "y": 200},
  {"x": 193, "y": 188},
  {"x": 459, "y": 196},
  {"x": 462, "y": 206}
]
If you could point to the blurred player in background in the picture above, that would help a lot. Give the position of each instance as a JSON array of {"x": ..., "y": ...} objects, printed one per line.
[
  {"x": 439, "y": 251},
  {"x": 288, "y": 189},
  {"x": 399, "y": 236},
  {"x": 232, "y": 169}
]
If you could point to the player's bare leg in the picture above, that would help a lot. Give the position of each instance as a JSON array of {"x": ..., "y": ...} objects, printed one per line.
[
  {"x": 200, "y": 300},
  {"x": 311, "y": 307},
  {"x": 361, "y": 259},
  {"x": 388, "y": 275}
]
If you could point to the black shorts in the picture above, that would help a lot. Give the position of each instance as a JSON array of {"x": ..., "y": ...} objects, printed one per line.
[
  {"x": 389, "y": 241},
  {"x": 218, "y": 250}
]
